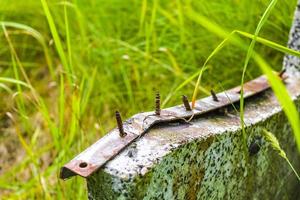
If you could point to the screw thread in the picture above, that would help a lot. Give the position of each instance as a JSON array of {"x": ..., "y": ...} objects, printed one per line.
[
  {"x": 120, "y": 124},
  {"x": 214, "y": 96},
  {"x": 186, "y": 103},
  {"x": 157, "y": 104}
]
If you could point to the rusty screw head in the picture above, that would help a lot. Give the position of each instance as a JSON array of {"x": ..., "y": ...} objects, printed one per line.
[
  {"x": 214, "y": 96},
  {"x": 120, "y": 124},
  {"x": 186, "y": 103},
  {"x": 157, "y": 104}
]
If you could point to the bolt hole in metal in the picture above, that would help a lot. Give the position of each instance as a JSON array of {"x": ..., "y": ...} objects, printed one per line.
[{"x": 83, "y": 165}]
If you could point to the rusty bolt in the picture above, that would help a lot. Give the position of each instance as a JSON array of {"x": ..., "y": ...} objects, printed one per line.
[
  {"x": 157, "y": 104},
  {"x": 120, "y": 124},
  {"x": 186, "y": 103},
  {"x": 214, "y": 96}
]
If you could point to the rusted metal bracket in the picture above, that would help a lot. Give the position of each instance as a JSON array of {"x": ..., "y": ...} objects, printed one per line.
[{"x": 111, "y": 144}]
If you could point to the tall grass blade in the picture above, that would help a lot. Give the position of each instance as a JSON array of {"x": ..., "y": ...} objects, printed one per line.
[
  {"x": 39, "y": 101},
  {"x": 6, "y": 88},
  {"x": 248, "y": 56},
  {"x": 283, "y": 97},
  {"x": 68, "y": 37},
  {"x": 14, "y": 81},
  {"x": 38, "y": 36},
  {"x": 57, "y": 40}
]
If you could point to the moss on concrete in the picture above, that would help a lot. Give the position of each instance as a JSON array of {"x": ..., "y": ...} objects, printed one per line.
[{"x": 213, "y": 167}]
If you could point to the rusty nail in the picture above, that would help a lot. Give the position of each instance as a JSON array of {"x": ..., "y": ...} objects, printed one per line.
[
  {"x": 214, "y": 96},
  {"x": 186, "y": 103},
  {"x": 157, "y": 103},
  {"x": 282, "y": 72},
  {"x": 120, "y": 124}
]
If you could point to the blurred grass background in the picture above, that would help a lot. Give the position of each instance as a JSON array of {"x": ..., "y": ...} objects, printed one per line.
[{"x": 114, "y": 55}]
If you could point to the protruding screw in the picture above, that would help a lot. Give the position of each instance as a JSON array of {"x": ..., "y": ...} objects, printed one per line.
[
  {"x": 214, "y": 96},
  {"x": 186, "y": 103},
  {"x": 157, "y": 104},
  {"x": 120, "y": 124},
  {"x": 281, "y": 73}
]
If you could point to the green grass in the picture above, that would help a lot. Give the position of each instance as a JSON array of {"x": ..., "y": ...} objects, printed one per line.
[{"x": 70, "y": 65}]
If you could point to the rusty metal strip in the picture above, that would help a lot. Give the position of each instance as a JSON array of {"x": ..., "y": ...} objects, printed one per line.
[{"x": 111, "y": 144}]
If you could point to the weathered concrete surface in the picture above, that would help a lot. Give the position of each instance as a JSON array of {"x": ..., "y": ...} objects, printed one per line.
[
  {"x": 204, "y": 160},
  {"x": 207, "y": 159}
]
